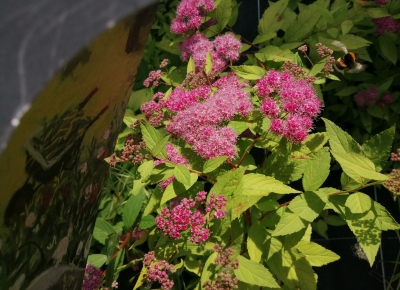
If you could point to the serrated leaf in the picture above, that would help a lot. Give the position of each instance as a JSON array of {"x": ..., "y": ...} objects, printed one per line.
[
  {"x": 358, "y": 167},
  {"x": 223, "y": 14},
  {"x": 315, "y": 254},
  {"x": 302, "y": 210},
  {"x": 150, "y": 135},
  {"x": 229, "y": 182},
  {"x": 324, "y": 12},
  {"x": 259, "y": 184},
  {"x": 159, "y": 149},
  {"x": 193, "y": 266},
  {"x": 384, "y": 220},
  {"x": 240, "y": 203},
  {"x": 283, "y": 167},
  {"x": 213, "y": 163},
  {"x": 264, "y": 37},
  {"x": 361, "y": 220},
  {"x": 209, "y": 63},
  {"x": 347, "y": 25},
  {"x": 182, "y": 174},
  {"x": 208, "y": 269},
  {"x": 147, "y": 222},
  {"x": 303, "y": 24},
  {"x": 255, "y": 242},
  {"x": 378, "y": 12},
  {"x": 97, "y": 260},
  {"x": 316, "y": 170},
  {"x": 132, "y": 209},
  {"x": 249, "y": 72},
  {"x": 101, "y": 230},
  {"x": 270, "y": 20},
  {"x": 175, "y": 188},
  {"x": 339, "y": 140},
  {"x": 314, "y": 142},
  {"x": 190, "y": 66},
  {"x": 254, "y": 273},
  {"x": 388, "y": 48},
  {"x": 145, "y": 169},
  {"x": 139, "y": 97}
]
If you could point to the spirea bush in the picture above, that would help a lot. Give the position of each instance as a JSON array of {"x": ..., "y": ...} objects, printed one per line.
[{"x": 191, "y": 207}]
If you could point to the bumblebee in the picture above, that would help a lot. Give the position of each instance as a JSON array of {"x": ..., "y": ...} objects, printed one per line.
[{"x": 348, "y": 61}]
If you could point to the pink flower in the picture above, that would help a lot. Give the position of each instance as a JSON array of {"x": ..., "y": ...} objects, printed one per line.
[
  {"x": 386, "y": 24},
  {"x": 189, "y": 15},
  {"x": 289, "y": 102}
]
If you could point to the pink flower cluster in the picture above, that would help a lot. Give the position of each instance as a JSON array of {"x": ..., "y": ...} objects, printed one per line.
[
  {"x": 395, "y": 156},
  {"x": 291, "y": 104},
  {"x": 92, "y": 279},
  {"x": 187, "y": 214},
  {"x": 153, "y": 110},
  {"x": 386, "y": 24},
  {"x": 393, "y": 184},
  {"x": 157, "y": 271},
  {"x": 224, "y": 279},
  {"x": 189, "y": 15},
  {"x": 180, "y": 99},
  {"x": 370, "y": 97},
  {"x": 201, "y": 124},
  {"x": 223, "y": 49},
  {"x": 153, "y": 79}
]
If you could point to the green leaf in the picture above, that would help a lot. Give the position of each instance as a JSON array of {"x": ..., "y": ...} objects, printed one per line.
[
  {"x": 317, "y": 170},
  {"x": 208, "y": 270},
  {"x": 139, "y": 97},
  {"x": 223, "y": 14},
  {"x": 315, "y": 254},
  {"x": 147, "y": 222},
  {"x": 347, "y": 25},
  {"x": 159, "y": 149},
  {"x": 302, "y": 209},
  {"x": 229, "y": 183},
  {"x": 182, "y": 174},
  {"x": 259, "y": 184},
  {"x": 294, "y": 270},
  {"x": 254, "y": 273},
  {"x": 209, "y": 63},
  {"x": 384, "y": 221},
  {"x": 273, "y": 53},
  {"x": 388, "y": 48},
  {"x": 145, "y": 169},
  {"x": 97, "y": 260},
  {"x": 213, "y": 163},
  {"x": 283, "y": 167},
  {"x": 249, "y": 72},
  {"x": 354, "y": 42},
  {"x": 255, "y": 242},
  {"x": 240, "y": 203},
  {"x": 314, "y": 142},
  {"x": 378, "y": 148},
  {"x": 150, "y": 135},
  {"x": 361, "y": 219},
  {"x": 324, "y": 12},
  {"x": 358, "y": 167},
  {"x": 270, "y": 21},
  {"x": 190, "y": 66},
  {"x": 101, "y": 230},
  {"x": 303, "y": 24},
  {"x": 175, "y": 188},
  {"x": 378, "y": 12},
  {"x": 132, "y": 209},
  {"x": 339, "y": 140},
  {"x": 264, "y": 37}
]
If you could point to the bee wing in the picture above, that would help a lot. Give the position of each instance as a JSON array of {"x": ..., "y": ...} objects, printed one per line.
[
  {"x": 357, "y": 67},
  {"x": 340, "y": 45}
]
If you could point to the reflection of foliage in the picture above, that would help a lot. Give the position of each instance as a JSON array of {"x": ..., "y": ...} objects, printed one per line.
[{"x": 54, "y": 227}]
